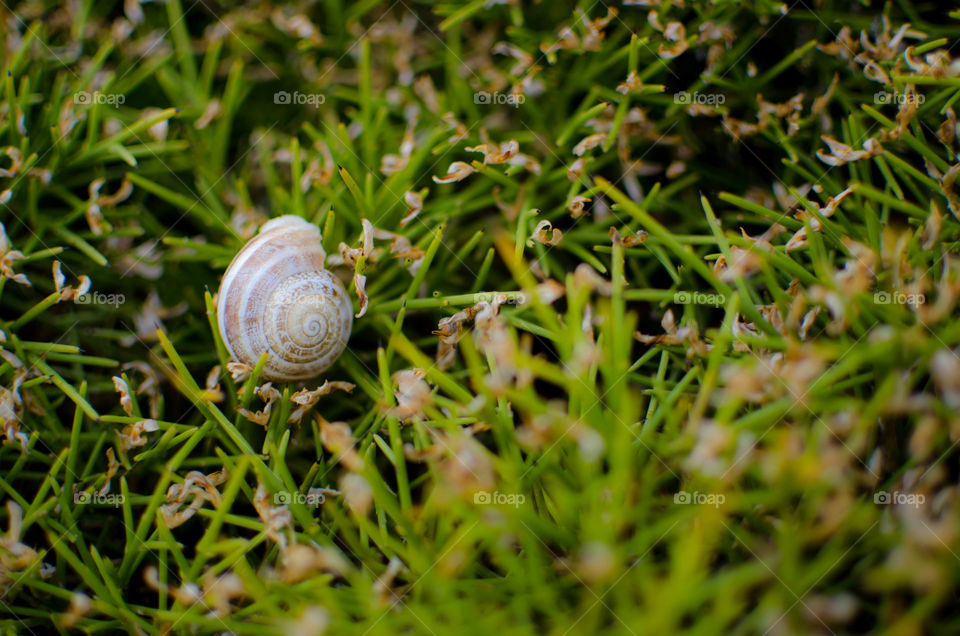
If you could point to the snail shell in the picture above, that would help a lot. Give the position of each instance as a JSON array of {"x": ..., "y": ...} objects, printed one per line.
[{"x": 277, "y": 297}]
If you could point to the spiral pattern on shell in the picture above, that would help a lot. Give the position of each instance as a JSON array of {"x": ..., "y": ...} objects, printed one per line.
[{"x": 277, "y": 297}]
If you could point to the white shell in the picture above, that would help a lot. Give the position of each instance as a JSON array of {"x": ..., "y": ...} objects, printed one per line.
[{"x": 277, "y": 297}]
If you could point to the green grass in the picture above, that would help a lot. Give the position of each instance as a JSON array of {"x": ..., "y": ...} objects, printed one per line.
[{"x": 716, "y": 402}]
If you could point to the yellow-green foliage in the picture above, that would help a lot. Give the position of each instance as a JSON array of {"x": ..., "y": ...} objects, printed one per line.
[{"x": 657, "y": 318}]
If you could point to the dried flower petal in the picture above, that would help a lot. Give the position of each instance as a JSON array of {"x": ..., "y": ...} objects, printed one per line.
[
  {"x": 588, "y": 142},
  {"x": 547, "y": 234},
  {"x": 414, "y": 201},
  {"x": 458, "y": 171}
]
